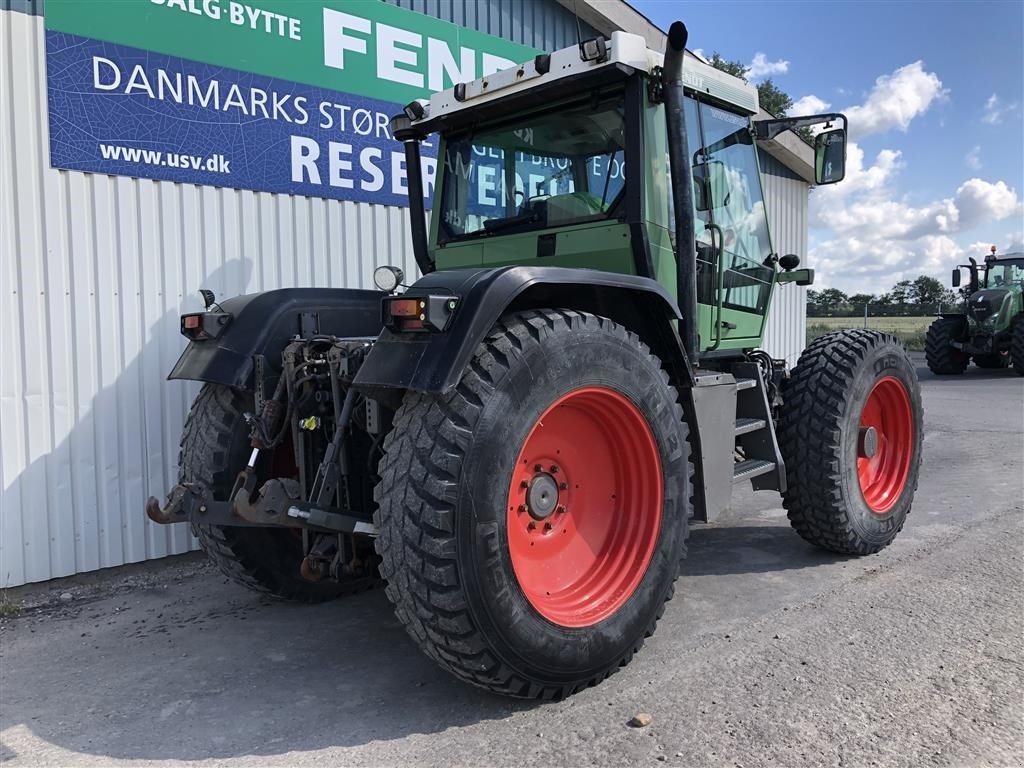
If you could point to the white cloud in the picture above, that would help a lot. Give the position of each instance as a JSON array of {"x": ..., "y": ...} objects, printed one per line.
[
  {"x": 973, "y": 158},
  {"x": 867, "y": 237},
  {"x": 876, "y": 217},
  {"x": 995, "y": 110},
  {"x": 808, "y": 105},
  {"x": 981, "y": 202},
  {"x": 760, "y": 67},
  {"x": 895, "y": 100}
]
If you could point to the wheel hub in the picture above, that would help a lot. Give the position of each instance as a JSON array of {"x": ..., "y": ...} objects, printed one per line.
[
  {"x": 542, "y": 496},
  {"x": 867, "y": 446}
]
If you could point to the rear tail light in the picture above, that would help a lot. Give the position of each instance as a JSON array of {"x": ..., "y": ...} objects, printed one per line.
[
  {"x": 199, "y": 326},
  {"x": 420, "y": 313}
]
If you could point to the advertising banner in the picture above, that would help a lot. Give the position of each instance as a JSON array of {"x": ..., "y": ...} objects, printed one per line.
[{"x": 288, "y": 97}]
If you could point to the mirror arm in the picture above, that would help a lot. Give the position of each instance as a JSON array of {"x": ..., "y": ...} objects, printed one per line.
[{"x": 769, "y": 129}]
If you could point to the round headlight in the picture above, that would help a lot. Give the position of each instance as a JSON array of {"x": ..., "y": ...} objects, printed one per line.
[{"x": 387, "y": 278}]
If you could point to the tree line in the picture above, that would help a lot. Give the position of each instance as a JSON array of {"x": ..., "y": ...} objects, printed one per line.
[{"x": 921, "y": 296}]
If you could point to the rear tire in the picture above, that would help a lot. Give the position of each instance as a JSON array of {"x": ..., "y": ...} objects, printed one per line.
[
  {"x": 214, "y": 447},
  {"x": 1017, "y": 345},
  {"x": 453, "y": 535},
  {"x": 837, "y": 498},
  {"x": 943, "y": 358}
]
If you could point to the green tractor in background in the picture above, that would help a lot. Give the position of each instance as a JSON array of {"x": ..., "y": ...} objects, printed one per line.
[{"x": 990, "y": 330}]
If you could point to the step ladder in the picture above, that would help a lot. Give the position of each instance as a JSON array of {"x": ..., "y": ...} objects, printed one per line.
[{"x": 735, "y": 437}]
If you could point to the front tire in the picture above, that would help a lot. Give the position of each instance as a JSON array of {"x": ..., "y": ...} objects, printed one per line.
[
  {"x": 532, "y": 521},
  {"x": 1017, "y": 345},
  {"x": 850, "y": 432},
  {"x": 943, "y": 358}
]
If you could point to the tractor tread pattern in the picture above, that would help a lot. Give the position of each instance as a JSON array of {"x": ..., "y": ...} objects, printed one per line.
[
  {"x": 1017, "y": 344},
  {"x": 205, "y": 456},
  {"x": 817, "y": 401},
  {"x": 416, "y": 532},
  {"x": 942, "y": 358}
]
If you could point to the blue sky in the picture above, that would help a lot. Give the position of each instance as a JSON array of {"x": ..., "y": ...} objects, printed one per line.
[{"x": 934, "y": 91}]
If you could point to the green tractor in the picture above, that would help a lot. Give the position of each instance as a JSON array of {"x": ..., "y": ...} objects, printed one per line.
[
  {"x": 990, "y": 329},
  {"x": 518, "y": 441}
]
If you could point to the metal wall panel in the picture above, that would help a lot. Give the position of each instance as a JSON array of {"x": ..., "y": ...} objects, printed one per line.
[
  {"x": 94, "y": 271},
  {"x": 542, "y": 24},
  {"x": 786, "y": 197}
]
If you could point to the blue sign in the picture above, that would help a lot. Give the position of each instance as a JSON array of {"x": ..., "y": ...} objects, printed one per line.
[{"x": 119, "y": 110}]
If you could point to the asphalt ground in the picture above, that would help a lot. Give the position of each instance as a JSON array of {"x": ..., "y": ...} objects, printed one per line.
[{"x": 772, "y": 653}]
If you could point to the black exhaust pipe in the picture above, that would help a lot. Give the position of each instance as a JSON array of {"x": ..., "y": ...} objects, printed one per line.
[
  {"x": 682, "y": 187},
  {"x": 417, "y": 213}
]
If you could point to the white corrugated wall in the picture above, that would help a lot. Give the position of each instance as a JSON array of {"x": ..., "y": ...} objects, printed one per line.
[
  {"x": 786, "y": 197},
  {"x": 94, "y": 272}
]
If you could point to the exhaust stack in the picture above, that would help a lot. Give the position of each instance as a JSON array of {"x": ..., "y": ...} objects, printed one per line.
[{"x": 682, "y": 187}]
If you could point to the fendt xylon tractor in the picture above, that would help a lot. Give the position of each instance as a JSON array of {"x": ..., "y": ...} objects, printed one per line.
[
  {"x": 517, "y": 442},
  {"x": 990, "y": 329}
]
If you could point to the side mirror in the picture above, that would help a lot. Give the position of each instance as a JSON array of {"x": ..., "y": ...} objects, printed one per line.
[
  {"x": 710, "y": 185},
  {"x": 830, "y": 156},
  {"x": 956, "y": 278}
]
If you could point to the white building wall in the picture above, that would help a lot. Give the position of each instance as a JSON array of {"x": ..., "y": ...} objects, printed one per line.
[
  {"x": 786, "y": 197},
  {"x": 94, "y": 272}
]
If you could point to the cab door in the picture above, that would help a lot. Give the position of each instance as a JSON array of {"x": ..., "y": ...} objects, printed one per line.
[{"x": 733, "y": 243}]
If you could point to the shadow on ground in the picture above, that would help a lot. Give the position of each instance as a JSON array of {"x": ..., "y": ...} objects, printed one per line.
[
  {"x": 737, "y": 549},
  {"x": 203, "y": 669}
]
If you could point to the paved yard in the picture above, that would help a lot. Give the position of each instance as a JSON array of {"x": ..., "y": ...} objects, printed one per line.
[{"x": 772, "y": 653}]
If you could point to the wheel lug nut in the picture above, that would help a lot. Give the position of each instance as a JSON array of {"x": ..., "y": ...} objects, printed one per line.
[
  {"x": 522, "y": 507},
  {"x": 538, "y": 468},
  {"x": 561, "y": 508},
  {"x": 524, "y": 484},
  {"x": 554, "y": 469},
  {"x": 531, "y": 526},
  {"x": 547, "y": 527},
  {"x": 563, "y": 486}
]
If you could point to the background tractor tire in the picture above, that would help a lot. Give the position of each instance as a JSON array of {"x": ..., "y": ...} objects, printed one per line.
[
  {"x": 843, "y": 383},
  {"x": 990, "y": 361},
  {"x": 943, "y": 358},
  {"x": 465, "y": 473},
  {"x": 1017, "y": 345},
  {"x": 214, "y": 447}
]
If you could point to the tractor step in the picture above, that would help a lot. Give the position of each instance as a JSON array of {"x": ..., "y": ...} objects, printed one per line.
[
  {"x": 742, "y": 384},
  {"x": 743, "y": 426},
  {"x": 751, "y": 468}
]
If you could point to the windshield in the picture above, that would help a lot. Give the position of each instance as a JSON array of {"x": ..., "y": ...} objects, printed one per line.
[
  {"x": 547, "y": 170},
  {"x": 1006, "y": 273}
]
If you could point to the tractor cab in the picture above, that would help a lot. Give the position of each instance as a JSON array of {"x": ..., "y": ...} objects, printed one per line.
[{"x": 565, "y": 162}]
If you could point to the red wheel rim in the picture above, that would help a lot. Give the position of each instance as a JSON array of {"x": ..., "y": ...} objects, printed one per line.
[
  {"x": 584, "y": 507},
  {"x": 883, "y": 458}
]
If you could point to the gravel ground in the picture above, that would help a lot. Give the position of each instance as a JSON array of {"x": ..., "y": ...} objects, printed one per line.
[{"x": 772, "y": 653}]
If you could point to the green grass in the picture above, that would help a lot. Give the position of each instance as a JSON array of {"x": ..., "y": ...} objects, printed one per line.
[
  {"x": 909, "y": 330},
  {"x": 7, "y": 606}
]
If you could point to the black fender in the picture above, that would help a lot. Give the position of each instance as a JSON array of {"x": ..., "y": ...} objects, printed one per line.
[
  {"x": 434, "y": 361},
  {"x": 264, "y": 323}
]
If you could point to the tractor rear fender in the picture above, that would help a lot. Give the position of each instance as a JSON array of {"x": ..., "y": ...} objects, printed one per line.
[
  {"x": 264, "y": 323},
  {"x": 433, "y": 361}
]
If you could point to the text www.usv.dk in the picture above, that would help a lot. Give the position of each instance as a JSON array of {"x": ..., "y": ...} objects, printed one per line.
[{"x": 214, "y": 163}]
